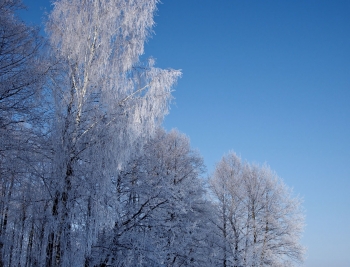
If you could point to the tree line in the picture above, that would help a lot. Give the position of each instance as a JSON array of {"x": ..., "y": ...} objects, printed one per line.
[{"x": 89, "y": 177}]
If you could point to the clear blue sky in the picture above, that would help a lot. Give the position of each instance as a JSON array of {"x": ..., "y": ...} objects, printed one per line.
[{"x": 271, "y": 81}]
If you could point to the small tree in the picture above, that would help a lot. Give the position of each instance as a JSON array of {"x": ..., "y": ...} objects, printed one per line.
[{"x": 259, "y": 221}]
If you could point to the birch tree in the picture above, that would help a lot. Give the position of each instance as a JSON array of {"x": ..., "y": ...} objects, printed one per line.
[
  {"x": 258, "y": 219},
  {"x": 107, "y": 103}
]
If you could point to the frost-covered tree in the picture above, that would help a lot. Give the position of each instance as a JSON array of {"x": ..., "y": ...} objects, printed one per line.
[
  {"x": 107, "y": 104},
  {"x": 162, "y": 210},
  {"x": 20, "y": 81},
  {"x": 259, "y": 221},
  {"x": 22, "y": 74}
]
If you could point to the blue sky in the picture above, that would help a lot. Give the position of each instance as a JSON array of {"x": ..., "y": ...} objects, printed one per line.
[{"x": 269, "y": 80}]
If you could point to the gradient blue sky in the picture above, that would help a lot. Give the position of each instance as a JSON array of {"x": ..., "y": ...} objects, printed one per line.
[{"x": 269, "y": 80}]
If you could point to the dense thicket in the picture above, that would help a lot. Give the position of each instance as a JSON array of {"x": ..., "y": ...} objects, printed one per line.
[{"x": 89, "y": 178}]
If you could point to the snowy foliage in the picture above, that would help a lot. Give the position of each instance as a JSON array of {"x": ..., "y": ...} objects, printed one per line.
[{"x": 89, "y": 178}]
